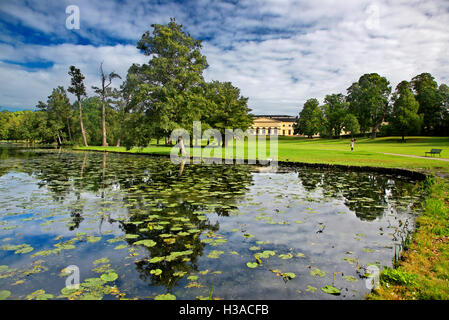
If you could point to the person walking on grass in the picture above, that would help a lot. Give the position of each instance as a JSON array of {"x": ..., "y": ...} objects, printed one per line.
[{"x": 352, "y": 144}]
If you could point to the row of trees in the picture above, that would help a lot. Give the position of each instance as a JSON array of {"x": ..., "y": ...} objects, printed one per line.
[
  {"x": 167, "y": 93},
  {"x": 415, "y": 107}
]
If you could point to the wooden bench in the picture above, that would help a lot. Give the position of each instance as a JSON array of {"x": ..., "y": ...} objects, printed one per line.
[{"x": 434, "y": 151}]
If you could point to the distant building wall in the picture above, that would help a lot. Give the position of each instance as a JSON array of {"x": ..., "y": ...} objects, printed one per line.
[{"x": 281, "y": 125}]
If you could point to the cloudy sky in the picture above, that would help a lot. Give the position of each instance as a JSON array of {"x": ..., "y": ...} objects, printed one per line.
[{"x": 278, "y": 52}]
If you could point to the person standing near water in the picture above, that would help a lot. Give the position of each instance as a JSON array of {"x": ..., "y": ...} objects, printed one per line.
[{"x": 352, "y": 144}]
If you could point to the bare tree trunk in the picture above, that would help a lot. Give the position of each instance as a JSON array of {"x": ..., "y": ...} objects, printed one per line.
[
  {"x": 118, "y": 143},
  {"x": 83, "y": 133},
  {"x": 58, "y": 140},
  {"x": 70, "y": 131},
  {"x": 103, "y": 124}
]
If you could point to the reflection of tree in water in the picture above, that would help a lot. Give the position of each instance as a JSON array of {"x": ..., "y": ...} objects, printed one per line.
[
  {"x": 176, "y": 201},
  {"x": 367, "y": 194},
  {"x": 147, "y": 186}
]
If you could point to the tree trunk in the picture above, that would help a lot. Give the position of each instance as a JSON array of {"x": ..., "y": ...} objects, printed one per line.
[
  {"x": 70, "y": 131},
  {"x": 118, "y": 143},
  {"x": 81, "y": 124},
  {"x": 58, "y": 140},
  {"x": 103, "y": 124}
]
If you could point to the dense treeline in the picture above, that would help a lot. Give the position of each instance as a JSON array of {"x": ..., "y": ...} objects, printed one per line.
[
  {"x": 167, "y": 93},
  {"x": 418, "y": 106}
]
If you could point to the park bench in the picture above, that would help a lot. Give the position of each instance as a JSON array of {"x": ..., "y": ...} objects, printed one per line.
[{"x": 434, "y": 151}]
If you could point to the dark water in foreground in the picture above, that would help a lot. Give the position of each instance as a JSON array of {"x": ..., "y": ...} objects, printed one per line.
[{"x": 137, "y": 227}]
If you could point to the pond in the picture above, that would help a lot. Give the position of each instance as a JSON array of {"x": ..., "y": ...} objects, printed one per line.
[{"x": 142, "y": 227}]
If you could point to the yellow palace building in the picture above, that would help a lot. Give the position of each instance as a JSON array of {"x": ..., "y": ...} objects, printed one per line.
[{"x": 281, "y": 125}]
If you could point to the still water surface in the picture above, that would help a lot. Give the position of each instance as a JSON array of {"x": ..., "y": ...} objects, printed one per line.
[{"x": 140, "y": 227}]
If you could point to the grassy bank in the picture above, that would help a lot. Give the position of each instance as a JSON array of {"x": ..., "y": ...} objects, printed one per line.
[{"x": 423, "y": 270}]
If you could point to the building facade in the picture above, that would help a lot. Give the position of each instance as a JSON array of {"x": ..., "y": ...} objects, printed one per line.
[{"x": 281, "y": 125}]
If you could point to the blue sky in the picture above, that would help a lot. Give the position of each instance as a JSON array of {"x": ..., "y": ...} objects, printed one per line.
[{"x": 278, "y": 52}]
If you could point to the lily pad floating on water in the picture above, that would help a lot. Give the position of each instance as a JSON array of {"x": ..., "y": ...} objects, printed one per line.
[
  {"x": 286, "y": 256},
  {"x": 156, "y": 259},
  {"x": 167, "y": 296},
  {"x": 109, "y": 277},
  {"x": 214, "y": 254},
  {"x": 147, "y": 243},
  {"x": 252, "y": 265},
  {"x": 4, "y": 294},
  {"x": 39, "y": 295},
  {"x": 102, "y": 260},
  {"x": 156, "y": 272},
  {"x": 310, "y": 288},
  {"x": 331, "y": 290},
  {"x": 350, "y": 278},
  {"x": 317, "y": 272}
]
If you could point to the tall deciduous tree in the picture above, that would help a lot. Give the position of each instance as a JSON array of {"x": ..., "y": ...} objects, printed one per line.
[
  {"x": 104, "y": 92},
  {"x": 171, "y": 77},
  {"x": 369, "y": 101},
  {"x": 79, "y": 90},
  {"x": 310, "y": 118},
  {"x": 334, "y": 112},
  {"x": 405, "y": 118},
  {"x": 426, "y": 91},
  {"x": 229, "y": 109}
]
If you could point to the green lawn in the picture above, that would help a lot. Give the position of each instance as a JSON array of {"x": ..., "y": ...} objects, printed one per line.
[{"x": 367, "y": 152}]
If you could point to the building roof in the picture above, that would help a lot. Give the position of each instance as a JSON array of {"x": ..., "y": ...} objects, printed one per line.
[{"x": 283, "y": 118}]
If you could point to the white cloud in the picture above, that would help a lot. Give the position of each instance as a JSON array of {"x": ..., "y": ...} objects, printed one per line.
[{"x": 25, "y": 87}]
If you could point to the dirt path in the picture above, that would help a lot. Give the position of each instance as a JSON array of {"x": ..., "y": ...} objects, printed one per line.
[{"x": 419, "y": 157}]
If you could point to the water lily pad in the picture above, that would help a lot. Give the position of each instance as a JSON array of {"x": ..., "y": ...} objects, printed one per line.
[
  {"x": 4, "y": 294},
  {"x": 167, "y": 296},
  {"x": 109, "y": 277},
  {"x": 102, "y": 260},
  {"x": 156, "y": 272},
  {"x": 311, "y": 288},
  {"x": 252, "y": 265},
  {"x": 317, "y": 272},
  {"x": 156, "y": 259},
  {"x": 39, "y": 295},
  {"x": 350, "y": 278},
  {"x": 147, "y": 243},
  {"x": 331, "y": 290}
]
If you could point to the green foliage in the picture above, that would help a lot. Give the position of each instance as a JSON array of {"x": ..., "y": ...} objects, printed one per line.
[
  {"x": 310, "y": 119},
  {"x": 426, "y": 90},
  {"x": 396, "y": 276},
  {"x": 405, "y": 118},
  {"x": 334, "y": 112},
  {"x": 368, "y": 101}
]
